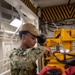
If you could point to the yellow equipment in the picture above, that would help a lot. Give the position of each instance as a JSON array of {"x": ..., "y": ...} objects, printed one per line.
[
  {"x": 62, "y": 36},
  {"x": 66, "y": 38}
]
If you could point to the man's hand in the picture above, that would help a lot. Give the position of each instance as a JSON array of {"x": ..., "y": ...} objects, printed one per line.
[{"x": 48, "y": 51}]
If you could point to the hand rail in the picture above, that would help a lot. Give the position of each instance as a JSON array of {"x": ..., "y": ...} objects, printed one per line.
[
  {"x": 3, "y": 60},
  {"x": 8, "y": 71}
]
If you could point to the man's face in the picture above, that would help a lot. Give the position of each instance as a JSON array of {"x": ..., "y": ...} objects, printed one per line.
[{"x": 30, "y": 40}]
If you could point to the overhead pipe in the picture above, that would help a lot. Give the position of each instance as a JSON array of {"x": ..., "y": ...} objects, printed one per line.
[
  {"x": 6, "y": 31},
  {"x": 55, "y": 25}
]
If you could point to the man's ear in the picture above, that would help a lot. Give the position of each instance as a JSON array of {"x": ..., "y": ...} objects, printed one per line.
[{"x": 23, "y": 36}]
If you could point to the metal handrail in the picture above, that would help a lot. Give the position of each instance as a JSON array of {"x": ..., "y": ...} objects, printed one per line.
[
  {"x": 5, "y": 64},
  {"x": 8, "y": 71},
  {"x": 3, "y": 60}
]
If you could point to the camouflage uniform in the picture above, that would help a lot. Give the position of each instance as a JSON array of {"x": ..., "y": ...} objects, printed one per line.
[{"x": 23, "y": 62}]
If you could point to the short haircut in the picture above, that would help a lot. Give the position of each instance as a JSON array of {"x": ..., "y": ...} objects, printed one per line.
[{"x": 22, "y": 32}]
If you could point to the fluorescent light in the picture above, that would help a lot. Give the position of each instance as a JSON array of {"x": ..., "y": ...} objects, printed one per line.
[{"x": 16, "y": 23}]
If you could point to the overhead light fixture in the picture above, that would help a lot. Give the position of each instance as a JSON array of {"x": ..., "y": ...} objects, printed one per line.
[{"x": 16, "y": 23}]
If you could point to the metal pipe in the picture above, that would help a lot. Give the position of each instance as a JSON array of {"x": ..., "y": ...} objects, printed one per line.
[
  {"x": 8, "y": 71},
  {"x": 4, "y": 60},
  {"x": 55, "y": 25},
  {"x": 6, "y": 31},
  {"x": 6, "y": 64}
]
